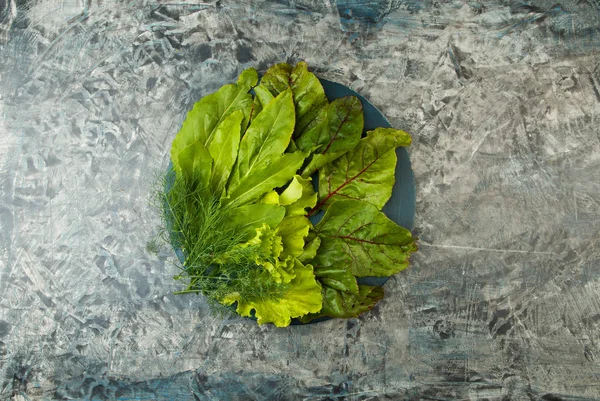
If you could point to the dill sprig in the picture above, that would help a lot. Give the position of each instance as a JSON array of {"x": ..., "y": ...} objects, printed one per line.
[{"x": 215, "y": 264}]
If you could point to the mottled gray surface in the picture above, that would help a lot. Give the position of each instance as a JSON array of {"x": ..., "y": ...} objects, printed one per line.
[{"x": 502, "y": 301}]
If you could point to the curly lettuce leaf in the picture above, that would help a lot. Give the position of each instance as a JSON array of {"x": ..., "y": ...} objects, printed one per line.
[
  {"x": 303, "y": 296},
  {"x": 293, "y": 230},
  {"x": 366, "y": 172},
  {"x": 298, "y": 196},
  {"x": 358, "y": 232},
  {"x": 269, "y": 248}
]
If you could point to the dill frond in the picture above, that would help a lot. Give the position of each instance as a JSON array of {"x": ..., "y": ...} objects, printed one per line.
[{"x": 192, "y": 220}]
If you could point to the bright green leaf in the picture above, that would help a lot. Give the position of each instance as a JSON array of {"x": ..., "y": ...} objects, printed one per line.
[
  {"x": 263, "y": 95},
  {"x": 255, "y": 110},
  {"x": 267, "y": 137},
  {"x": 269, "y": 254},
  {"x": 271, "y": 198},
  {"x": 276, "y": 174},
  {"x": 298, "y": 196},
  {"x": 310, "y": 249},
  {"x": 293, "y": 230},
  {"x": 247, "y": 79},
  {"x": 246, "y": 219},
  {"x": 302, "y": 297},
  {"x": 194, "y": 164},
  {"x": 223, "y": 150},
  {"x": 211, "y": 110}
]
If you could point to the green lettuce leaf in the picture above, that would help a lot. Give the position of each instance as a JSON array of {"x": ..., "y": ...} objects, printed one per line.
[
  {"x": 212, "y": 109},
  {"x": 269, "y": 250},
  {"x": 302, "y": 297},
  {"x": 338, "y": 135},
  {"x": 358, "y": 232},
  {"x": 293, "y": 230},
  {"x": 223, "y": 150},
  {"x": 366, "y": 172},
  {"x": 298, "y": 196}
]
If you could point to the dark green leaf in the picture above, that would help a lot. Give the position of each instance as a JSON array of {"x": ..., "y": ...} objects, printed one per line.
[
  {"x": 339, "y": 304},
  {"x": 308, "y": 93},
  {"x": 358, "y": 232},
  {"x": 366, "y": 172},
  {"x": 338, "y": 277},
  {"x": 339, "y": 134}
]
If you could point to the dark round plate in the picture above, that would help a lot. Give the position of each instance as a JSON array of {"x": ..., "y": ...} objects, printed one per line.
[{"x": 401, "y": 206}]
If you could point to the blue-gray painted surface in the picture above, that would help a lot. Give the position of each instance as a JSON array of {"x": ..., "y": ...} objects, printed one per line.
[{"x": 502, "y": 301}]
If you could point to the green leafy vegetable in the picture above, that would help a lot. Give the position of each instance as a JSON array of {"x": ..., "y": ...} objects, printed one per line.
[
  {"x": 302, "y": 297},
  {"x": 309, "y": 96},
  {"x": 366, "y": 173},
  {"x": 268, "y": 136},
  {"x": 193, "y": 163},
  {"x": 340, "y": 304},
  {"x": 237, "y": 207},
  {"x": 263, "y": 95},
  {"x": 376, "y": 246},
  {"x": 338, "y": 277},
  {"x": 337, "y": 135},
  {"x": 202, "y": 120},
  {"x": 272, "y": 175},
  {"x": 246, "y": 219},
  {"x": 223, "y": 150}
]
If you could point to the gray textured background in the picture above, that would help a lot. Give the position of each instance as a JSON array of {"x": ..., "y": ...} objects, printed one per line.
[{"x": 501, "y": 303}]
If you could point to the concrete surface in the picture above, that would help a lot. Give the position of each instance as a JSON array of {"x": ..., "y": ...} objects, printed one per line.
[{"x": 502, "y": 301}]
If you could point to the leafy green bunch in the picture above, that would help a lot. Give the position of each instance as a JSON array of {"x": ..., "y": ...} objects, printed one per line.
[{"x": 240, "y": 193}]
